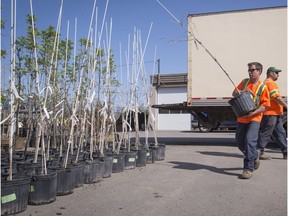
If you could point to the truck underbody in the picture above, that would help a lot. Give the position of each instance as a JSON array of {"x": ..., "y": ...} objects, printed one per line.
[{"x": 208, "y": 116}]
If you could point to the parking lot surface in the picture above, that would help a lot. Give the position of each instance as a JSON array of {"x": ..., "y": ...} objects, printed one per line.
[{"x": 199, "y": 176}]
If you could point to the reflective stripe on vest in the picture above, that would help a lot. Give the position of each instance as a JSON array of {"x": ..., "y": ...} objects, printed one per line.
[
  {"x": 272, "y": 92},
  {"x": 245, "y": 83},
  {"x": 258, "y": 93}
]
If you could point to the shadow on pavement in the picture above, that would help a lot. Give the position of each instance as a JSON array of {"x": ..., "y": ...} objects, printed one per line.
[
  {"x": 217, "y": 131},
  {"x": 195, "y": 166},
  {"x": 191, "y": 141},
  {"x": 221, "y": 154}
]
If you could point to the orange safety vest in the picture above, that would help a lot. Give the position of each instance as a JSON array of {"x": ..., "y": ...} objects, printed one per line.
[{"x": 275, "y": 108}]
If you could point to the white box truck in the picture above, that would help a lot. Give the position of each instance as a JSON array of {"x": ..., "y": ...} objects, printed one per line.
[{"x": 234, "y": 38}]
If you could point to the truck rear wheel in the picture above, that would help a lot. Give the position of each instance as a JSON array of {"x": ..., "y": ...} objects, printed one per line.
[{"x": 204, "y": 129}]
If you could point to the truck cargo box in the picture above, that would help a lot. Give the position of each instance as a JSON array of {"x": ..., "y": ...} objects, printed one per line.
[{"x": 235, "y": 38}]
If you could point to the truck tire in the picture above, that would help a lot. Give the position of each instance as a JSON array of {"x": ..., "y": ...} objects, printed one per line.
[{"x": 204, "y": 129}]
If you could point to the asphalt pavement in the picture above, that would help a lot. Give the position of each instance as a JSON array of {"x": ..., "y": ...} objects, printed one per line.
[{"x": 199, "y": 176}]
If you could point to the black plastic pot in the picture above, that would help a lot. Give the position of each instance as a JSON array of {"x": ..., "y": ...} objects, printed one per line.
[
  {"x": 89, "y": 172},
  {"x": 5, "y": 170},
  {"x": 30, "y": 168},
  {"x": 100, "y": 167},
  {"x": 93, "y": 171},
  {"x": 160, "y": 152},
  {"x": 43, "y": 188},
  {"x": 150, "y": 155},
  {"x": 79, "y": 174},
  {"x": 118, "y": 163},
  {"x": 130, "y": 160},
  {"x": 72, "y": 158},
  {"x": 14, "y": 195},
  {"x": 141, "y": 158},
  {"x": 52, "y": 162},
  {"x": 108, "y": 164},
  {"x": 65, "y": 181}
]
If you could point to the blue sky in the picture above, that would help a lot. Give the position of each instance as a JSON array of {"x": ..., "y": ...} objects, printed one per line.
[{"x": 166, "y": 35}]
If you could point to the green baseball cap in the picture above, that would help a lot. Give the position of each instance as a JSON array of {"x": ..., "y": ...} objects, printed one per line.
[{"x": 273, "y": 69}]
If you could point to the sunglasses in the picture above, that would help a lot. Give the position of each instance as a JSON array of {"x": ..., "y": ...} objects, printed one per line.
[
  {"x": 276, "y": 73},
  {"x": 252, "y": 70}
]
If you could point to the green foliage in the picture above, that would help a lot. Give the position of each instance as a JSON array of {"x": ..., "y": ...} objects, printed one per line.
[
  {"x": 3, "y": 54},
  {"x": 3, "y": 98},
  {"x": 2, "y": 23},
  {"x": 52, "y": 60}
]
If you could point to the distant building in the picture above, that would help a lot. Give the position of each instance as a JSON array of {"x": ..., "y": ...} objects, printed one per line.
[{"x": 168, "y": 89}]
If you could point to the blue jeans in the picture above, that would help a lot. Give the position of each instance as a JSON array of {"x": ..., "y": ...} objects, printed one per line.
[
  {"x": 272, "y": 125},
  {"x": 246, "y": 140}
]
